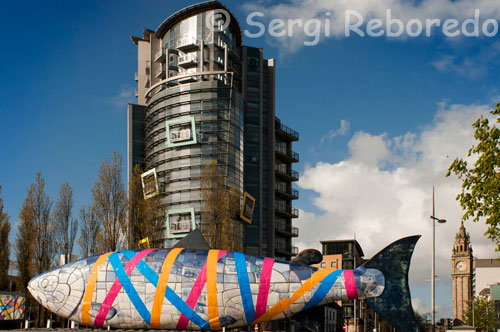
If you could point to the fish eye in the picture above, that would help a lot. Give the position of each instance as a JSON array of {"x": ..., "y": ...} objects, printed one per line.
[{"x": 44, "y": 283}]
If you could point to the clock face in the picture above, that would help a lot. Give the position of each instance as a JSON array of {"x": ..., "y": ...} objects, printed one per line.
[{"x": 460, "y": 266}]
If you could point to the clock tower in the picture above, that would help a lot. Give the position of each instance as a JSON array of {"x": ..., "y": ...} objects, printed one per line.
[{"x": 461, "y": 267}]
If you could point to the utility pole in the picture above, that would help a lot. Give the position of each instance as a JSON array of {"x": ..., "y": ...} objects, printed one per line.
[
  {"x": 354, "y": 257},
  {"x": 433, "y": 278}
]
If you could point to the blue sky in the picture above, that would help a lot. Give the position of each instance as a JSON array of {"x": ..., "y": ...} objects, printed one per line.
[{"x": 67, "y": 73}]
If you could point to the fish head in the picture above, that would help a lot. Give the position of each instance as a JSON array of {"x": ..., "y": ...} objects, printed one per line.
[{"x": 59, "y": 290}]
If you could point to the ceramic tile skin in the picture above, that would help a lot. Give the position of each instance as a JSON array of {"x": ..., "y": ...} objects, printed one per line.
[{"x": 186, "y": 289}]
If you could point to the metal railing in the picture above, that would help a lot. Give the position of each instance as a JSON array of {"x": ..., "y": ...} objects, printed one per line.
[
  {"x": 281, "y": 148},
  {"x": 283, "y": 170},
  {"x": 289, "y": 131},
  {"x": 286, "y": 249},
  {"x": 283, "y": 188},
  {"x": 288, "y": 209},
  {"x": 188, "y": 58},
  {"x": 186, "y": 41},
  {"x": 282, "y": 227}
]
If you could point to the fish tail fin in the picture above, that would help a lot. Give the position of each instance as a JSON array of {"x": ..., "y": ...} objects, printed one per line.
[{"x": 394, "y": 305}]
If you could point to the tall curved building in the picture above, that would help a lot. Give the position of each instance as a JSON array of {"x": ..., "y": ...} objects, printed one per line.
[{"x": 203, "y": 97}]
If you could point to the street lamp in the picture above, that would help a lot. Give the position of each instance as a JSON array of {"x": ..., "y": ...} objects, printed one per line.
[{"x": 433, "y": 279}]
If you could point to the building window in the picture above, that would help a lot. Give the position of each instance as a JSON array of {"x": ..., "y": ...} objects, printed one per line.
[
  {"x": 150, "y": 183},
  {"x": 334, "y": 264},
  {"x": 323, "y": 264},
  {"x": 181, "y": 131},
  {"x": 180, "y": 222}
]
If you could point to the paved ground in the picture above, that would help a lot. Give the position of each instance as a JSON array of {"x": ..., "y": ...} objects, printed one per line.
[{"x": 79, "y": 330}]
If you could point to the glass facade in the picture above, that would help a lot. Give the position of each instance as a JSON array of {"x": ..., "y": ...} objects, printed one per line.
[
  {"x": 253, "y": 178},
  {"x": 217, "y": 135},
  {"x": 193, "y": 120},
  {"x": 206, "y": 98}
]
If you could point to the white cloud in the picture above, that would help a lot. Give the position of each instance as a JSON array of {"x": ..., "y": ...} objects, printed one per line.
[
  {"x": 341, "y": 131},
  {"x": 121, "y": 99},
  {"x": 475, "y": 66},
  {"x": 464, "y": 67},
  {"x": 383, "y": 192},
  {"x": 369, "y": 149},
  {"x": 419, "y": 306},
  {"x": 401, "y": 9}
]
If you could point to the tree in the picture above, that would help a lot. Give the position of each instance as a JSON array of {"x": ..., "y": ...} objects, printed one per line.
[
  {"x": 66, "y": 226},
  {"x": 154, "y": 213},
  {"x": 35, "y": 247},
  {"x": 220, "y": 225},
  {"x": 135, "y": 206},
  {"x": 37, "y": 208},
  {"x": 146, "y": 216},
  {"x": 481, "y": 183},
  {"x": 423, "y": 326},
  {"x": 4, "y": 247},
  {"x": 485, "y": 316},
  {"x": 25, "y": 249},
  {"x": 110, "y": 204},
  {"x": 90, "y": 232}
]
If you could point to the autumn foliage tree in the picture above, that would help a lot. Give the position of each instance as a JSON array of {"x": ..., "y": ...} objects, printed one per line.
[
  {"x": 90, "y": 234},
  {"x": 35, "y": 246},
  {"x": 5, "y": 247},
  {"x": 65, "y": 225},
  {"x": 37, "y": 208},
  {"x": 146, "y": 216},
  {"x": 480, "y": 196},
  {"x": 221, "y": 206},
  {"x": 24, "y": 247},
  {"x": 109, "y": 201}
]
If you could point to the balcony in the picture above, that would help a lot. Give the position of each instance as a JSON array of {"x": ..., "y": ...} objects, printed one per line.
[
  {"x": 187, "y": 43},
  {"x": 136, "y": 92},
  {"x": 173, "y": 65},
  {"x": 284, "y": 153},
  {"x": 160, "y": 55},
  {"x": 287, "y": 174},
  {"x": 283, "y": 191},
  {"x": 286, "y": 210},
  {"x": 286, "y": 250},
  {"x": 188, "y": 60},
  {"x": 287, "y": 131},
  {"x": 161, "y": 72},
  {"x": 187, "y": 79},
  {"x": 287, "y": 230},
  {"x": 136, "y": 76}
]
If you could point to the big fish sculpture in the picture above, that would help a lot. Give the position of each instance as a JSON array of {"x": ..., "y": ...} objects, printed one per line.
[{"x": 186, "y": 289}]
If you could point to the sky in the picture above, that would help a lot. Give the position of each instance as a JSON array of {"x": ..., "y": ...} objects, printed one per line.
[{"x": 380, "y": 118}]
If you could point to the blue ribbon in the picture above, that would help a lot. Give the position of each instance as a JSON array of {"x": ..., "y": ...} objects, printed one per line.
[
  {"x": 323, "y": 289},
  {"x": 246, "y": 292},
  {"x": 129, "y": 289},
  {"x": 170, "y": 295}
]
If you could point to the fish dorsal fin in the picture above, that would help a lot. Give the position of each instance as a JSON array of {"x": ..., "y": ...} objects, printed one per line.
[
  {"x": 308, "y": 257},
  {"x": 194, "y": 240}
]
